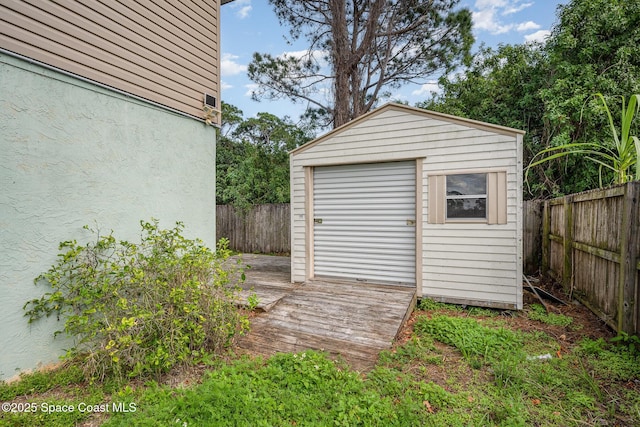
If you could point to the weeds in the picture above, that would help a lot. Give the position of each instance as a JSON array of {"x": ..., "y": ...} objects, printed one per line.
[
  {"x": 472, "y": 339},
  {"x": 494, "y": 383},
  {"x": 560, "y": 390},
  {"x": 429, "y": 304},
  {"x": 631, "y": 342},
  {"x": 137, "y": 309},
  {"x": 38, "y": 382},
  {"x": 612, "y": 362},
  {"x": 288, "y": 389},
  {"x": 539, "y": 313}
]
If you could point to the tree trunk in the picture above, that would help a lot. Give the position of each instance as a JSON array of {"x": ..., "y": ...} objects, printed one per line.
[{"x": 340, "y": 53}]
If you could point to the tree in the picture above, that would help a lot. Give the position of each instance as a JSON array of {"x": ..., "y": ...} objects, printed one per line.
[
  {"x": 502, "y": 86},
  {"x": 617, "y": 155},
  {"x": 368, "y": 46},
  {"x": 252, "y": 159},
  {"x": 548, "y": 90},
  {"x": 594, "y": 48}
]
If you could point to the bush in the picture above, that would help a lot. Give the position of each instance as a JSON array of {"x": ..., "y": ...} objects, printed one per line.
[{"x": 137, "y": 309}]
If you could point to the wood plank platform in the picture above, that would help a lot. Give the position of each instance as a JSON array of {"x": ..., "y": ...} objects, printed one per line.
[{"x": 353, "y": 320}]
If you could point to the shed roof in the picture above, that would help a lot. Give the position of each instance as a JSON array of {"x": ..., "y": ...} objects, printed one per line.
[{"x": 412, "y": 110}]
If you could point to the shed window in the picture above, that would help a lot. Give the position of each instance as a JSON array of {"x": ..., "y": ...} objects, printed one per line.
[
  {"x": 476, "y": 197},
  {"x": 467, "y": 196}
]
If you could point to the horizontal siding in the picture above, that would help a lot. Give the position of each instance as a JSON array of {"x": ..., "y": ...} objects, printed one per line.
[
  {"x": 460, "y": 262},
  {"x": 477, "y": 296},
  {"x": 463, "y": 243},
  {"x": 440, "y": 136},
  {"x": 461, "y": 286},
  {"x": 499, "y": 250},
  {"x": 459, "y": 268},
  {"x": 164, "y": 51},
  {"x": 441, "y": 143}
]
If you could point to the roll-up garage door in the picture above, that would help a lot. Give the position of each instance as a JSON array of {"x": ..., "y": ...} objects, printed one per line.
[{"x": 364, "y": 222}]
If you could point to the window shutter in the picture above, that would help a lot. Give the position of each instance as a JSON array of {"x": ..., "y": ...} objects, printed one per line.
[
  {"x": 437, "y": 199},
  {"x": 497, "y": 198}
]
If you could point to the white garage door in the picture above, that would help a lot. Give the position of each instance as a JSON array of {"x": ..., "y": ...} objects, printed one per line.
[{"x": 364, "y": 222}]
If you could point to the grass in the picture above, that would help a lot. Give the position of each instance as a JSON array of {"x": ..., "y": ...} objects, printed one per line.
[
  {"x": 460, "y": 367},
  {"x": 538, "y": 312}
]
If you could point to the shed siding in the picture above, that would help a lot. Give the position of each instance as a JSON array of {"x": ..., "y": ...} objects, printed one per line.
[
  {"x": 472, "y": 262},
  {"x": 161, "y": 50}
]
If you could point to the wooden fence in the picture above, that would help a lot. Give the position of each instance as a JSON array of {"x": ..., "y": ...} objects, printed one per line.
[
  {"x": 262, "y": 229},
  {"x": 591, "y": 244},
  {"x": 532, "y": 235}
]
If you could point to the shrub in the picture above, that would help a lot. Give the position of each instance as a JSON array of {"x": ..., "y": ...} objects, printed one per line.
[{"x": 137, "y": 309}]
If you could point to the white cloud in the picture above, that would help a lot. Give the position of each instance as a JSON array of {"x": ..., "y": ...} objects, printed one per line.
[
  {"x": 243, "y": 7},
  {"x": 251, "y": 87},
  {"x": 397, "y": 97},
  {"x": 244, "y": 12},
  {"x": 486, "y": 20},
  {"x": 229, "y": 66},
  {"x": 484, "y": 4},
  {"x": 224, "y": 85},
  {"x": 427, "y": 89},
  {"x": 317, "y": 55},
  {"x": 295, "y": 53},
  {"x": 488, "y": 15},
  {"x": 538, "y": 36},
  {"x": 515, "y": 8},
  {"x": 527, "y": 26}
]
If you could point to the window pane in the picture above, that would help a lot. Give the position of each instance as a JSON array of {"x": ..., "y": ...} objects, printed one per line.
[
  {"x": 467, "y": 184},
  {"x": 467, "y": 208}
]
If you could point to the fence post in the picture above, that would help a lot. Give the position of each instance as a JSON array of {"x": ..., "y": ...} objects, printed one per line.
[
  {"x": 546, "y": 242},
  {"x": 532, "y": 235},
  {"x": 567, "y": 244},
  {"x": 629, "y": 235}
]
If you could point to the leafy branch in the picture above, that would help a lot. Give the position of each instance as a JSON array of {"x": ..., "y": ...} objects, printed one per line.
[{"x": 619, "y": 155}]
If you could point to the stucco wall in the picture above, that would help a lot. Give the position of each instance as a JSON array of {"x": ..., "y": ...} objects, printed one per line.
[{"x": 71, "y": 154}]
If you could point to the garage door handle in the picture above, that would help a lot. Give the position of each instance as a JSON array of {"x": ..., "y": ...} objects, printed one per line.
[
  {"x": 411, "y": 222},
  {"x": 317, "y": 220}
]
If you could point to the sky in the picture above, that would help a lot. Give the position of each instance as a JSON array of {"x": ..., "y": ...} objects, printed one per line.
[{"x": 249, "y": 26}]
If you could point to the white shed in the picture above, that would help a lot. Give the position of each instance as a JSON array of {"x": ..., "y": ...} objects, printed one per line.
[{"x": 409, "y": 197}]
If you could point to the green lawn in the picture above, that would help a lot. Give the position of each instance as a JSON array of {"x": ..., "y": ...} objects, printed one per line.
[{"x": 457, "y": 367}]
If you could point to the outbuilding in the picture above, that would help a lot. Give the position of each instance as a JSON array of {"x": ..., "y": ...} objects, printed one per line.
[{"x": 408, "y": 197}]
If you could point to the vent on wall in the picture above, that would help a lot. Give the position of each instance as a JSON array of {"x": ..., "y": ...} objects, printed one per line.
[{"x": 209, "y": 100}]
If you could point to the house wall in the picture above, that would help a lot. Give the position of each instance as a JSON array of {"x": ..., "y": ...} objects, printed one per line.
[
  {"x": 75, "y": 154},
  {"x": 467, "y": 263},
  {"x": 166, "y": 51}
]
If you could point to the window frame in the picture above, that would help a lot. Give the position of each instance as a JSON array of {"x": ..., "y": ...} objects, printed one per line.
[
  {"x": 448, "y": 197},
  {"x": 496, "y": 197}
]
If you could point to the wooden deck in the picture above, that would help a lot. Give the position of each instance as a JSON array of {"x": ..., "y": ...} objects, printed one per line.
[{"x": 353, "y": 320}]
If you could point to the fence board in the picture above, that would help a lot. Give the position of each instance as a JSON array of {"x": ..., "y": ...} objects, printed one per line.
[
  {"x": 262, "y": 229},
  {"x": 532, "y": 235},
  {"x": 591, "y": 244}
]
